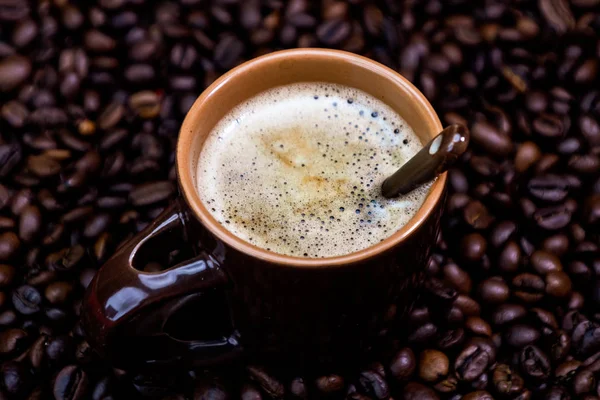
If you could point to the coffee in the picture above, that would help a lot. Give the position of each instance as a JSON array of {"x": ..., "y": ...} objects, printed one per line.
[{"x": 298, "y": 169}]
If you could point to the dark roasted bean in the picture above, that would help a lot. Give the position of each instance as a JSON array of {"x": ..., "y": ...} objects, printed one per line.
[
  {"x": 29, "y": 223},
  {"x": 417, "y": 391},
  {"x": 488, "y": 137},
  {"x": 373, "y": 385},
  {"x": 403, "y": 364},
  {"x": 228, "y": 51},
  {"x": 151, "y": 193},
  {"x": 509, "y": 257},
  {"x": 471, "y": 363},
  {"x": 92, "y": 100},
  {"x": 268, "y": 383},
  {"x": 508, "y": 313},
  {"x": 534, "y": 363},
  {"x": 15, "y": 378},
  {"x": 12, "y": 341},
  {"x": 520, "y": 335},
  {"x": 14, "y": 69},
  {"x": 433, "y": 365},
  {"x": 528, "y": 287},
  {"x": 70, "y": 383},
  {"x": 505, "y": 381},
  {"x": 473, "y": 247},
  {"x": 586, "y": 338},
  {"x": 494, "y": 290},
  {"x": 298, "y": 389},
  {"x": 26, "y": 300},
  {"x": 329, "y": 383},
  {"x": 478, "y": 395}
]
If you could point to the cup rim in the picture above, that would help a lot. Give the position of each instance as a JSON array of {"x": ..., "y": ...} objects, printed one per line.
[{"x": 192, "y": 198}]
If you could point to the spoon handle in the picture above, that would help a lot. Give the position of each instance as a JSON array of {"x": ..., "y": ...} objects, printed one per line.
[{"x": 434, "y": 158}]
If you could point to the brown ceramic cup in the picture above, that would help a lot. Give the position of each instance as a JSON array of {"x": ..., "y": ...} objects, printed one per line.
[{"x": 242, "y": 296}]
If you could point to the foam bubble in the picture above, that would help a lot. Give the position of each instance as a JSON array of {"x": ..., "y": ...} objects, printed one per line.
[{"x": 298, "y": 170}]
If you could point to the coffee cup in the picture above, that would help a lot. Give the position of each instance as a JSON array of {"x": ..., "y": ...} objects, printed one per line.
[{"x": 238, "y": 298}]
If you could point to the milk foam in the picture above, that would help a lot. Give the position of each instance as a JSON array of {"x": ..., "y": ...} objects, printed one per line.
[{"x": 298, "y": 170}]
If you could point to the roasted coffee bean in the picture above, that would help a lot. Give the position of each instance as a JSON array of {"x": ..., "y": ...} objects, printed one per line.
[
  {"x": 544, "y": 262},
  {"x": 520, "y": 335},
  {"x": 534, "y": 363},
  {"x": 467, "y": 305},
  {"x": 14, "y": 70},
  {"x": 545, "y": 317},
  {"x": 506, "y": 382},
  {"x": 373, "y": 385},
  {"x": 478, "y": 326},
  {"x": 15, "y": 378},
  {"x": 433, "y": 365},
  {"x": 478, "y": 395},
  {"x": 448, "y": 385},
  {"x": 558, "y": 284},
  {"x": 490, "y": 139},
  {"x": 552, "y": 188},
  {"x": 7, "y": 274},
  {"x": 403, "y": 364},
  {"x": 29, "y": 223},
  {"x": 269, "y": 384},
  {"x": 102, "y": 389},
  {"x": 15, "y": 113},
  {"x": 473, "y": 247},
  {"x": 476, "y": 215},
  {"x": 70, "y": 383},
  {"x": 417, "y": 391},
  {"x": 59, "y": 350},
  {"x": 329, "y": 383},
  {"x": 58, "y": 292},
  {"x": 557, "y": 393},
  {"x": 228, "y": 51},
  {"x": 566, "y": 370},
  {"x": 528, "y": 287},
  {"x": 12, "y": 341},
  {"x": 298, "y": 389},
  {"x": 494, "y": 290},
  {"x": 8, "y": 318},
  {"x": 110, "y": 116},
  {"x": 98, "y": 41},
  {"x": 509, "y": 257},
  {"x": 586, "y": 338},
  {"x": 457, "y": 278},
  {"x": 423, "y": 333},
  {"x": 26, "y": 300},
  {"x": 250, "y": 392},
  {"x": 472, "y": 362},
  {"x": 96, "y": 225},
  {"x": 151, "y": 193},
  {"x": 522, "y": 200},
  {"x": 502, "y": 232},
  {"x": 584, "y": 382}
]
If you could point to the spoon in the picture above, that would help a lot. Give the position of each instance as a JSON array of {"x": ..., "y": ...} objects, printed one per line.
[{"x": 434, "y": 158}]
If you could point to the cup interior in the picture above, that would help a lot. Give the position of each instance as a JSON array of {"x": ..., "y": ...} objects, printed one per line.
[{"x": 296, "y": 66}]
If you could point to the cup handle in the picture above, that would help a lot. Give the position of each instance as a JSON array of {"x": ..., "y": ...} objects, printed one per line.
[{"x": 121, "y": 299}]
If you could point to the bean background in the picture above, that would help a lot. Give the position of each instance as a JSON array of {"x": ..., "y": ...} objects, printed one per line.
[{"x": 91, "y": 97}]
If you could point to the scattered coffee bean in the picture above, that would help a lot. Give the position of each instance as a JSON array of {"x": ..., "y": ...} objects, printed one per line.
[
  {"x": 433, "y": 365},
  {"x": 403, "y": 364},
  {"x": 417, "y": 391},
  {"x": 70, "y": 383},
  {"x": 93, "y": 96},
  {"x": 26, "y": 300}
]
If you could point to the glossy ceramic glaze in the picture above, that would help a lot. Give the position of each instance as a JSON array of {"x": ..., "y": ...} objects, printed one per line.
[{"x": 299, "y": 309}]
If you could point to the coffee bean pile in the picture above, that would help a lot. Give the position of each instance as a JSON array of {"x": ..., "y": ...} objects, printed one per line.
[{"x": 91, "y": 97}]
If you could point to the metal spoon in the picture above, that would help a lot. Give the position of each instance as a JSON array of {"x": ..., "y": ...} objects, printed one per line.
[{"x": 434, "y": 158}]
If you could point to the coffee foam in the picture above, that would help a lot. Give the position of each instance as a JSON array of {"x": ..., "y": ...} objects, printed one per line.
[{"x": 298, "y": 170}]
